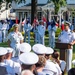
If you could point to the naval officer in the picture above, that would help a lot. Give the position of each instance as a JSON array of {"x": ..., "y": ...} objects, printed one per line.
[
  {"x": 66, "y": 36},
  {"x": 15, "y": 38}
]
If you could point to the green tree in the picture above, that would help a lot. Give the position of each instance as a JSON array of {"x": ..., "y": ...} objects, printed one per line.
[
  {"x": 33, "y": 9},
  {"x": 58, "y": 4},
  {"x": 33, "y": 6}
]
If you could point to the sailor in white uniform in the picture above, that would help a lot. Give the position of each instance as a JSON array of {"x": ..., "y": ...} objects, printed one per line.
[
  {"x": 4, "y": 30},
  {"x": 27, "y": 29},
  {"x": 28, "y": 61},
  {"x": 27, "y": 72},
  {"x": 55, "y": 70},
  {"x": 67, "y": 36},
  {"x": 14, "y": 65},
  {"x": 0, "y": 32},
  {"x": 35, "y": 30},
  {"x": 15, "y": 38},
  {"x": 8, "y": 70},
  {"x": 52, "y": 30},
  {"x": 41, "y": 50},
  {"x": 41, "y": 32}
]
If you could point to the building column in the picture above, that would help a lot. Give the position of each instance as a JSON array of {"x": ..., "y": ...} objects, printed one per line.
[
  {"x": 60, "y": 18},
  {"x": 49, "y": 15}
]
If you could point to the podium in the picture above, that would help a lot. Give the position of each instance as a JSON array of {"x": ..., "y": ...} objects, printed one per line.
[{"x": 62, "y": 47}]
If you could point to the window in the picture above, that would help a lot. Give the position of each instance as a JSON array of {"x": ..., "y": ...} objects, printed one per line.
[{"x": 39, "y": 15}]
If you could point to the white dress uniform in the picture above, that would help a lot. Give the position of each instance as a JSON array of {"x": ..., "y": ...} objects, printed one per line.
[
  {"x": 15, "y": 41},
  {"x": 50, "y": 68},
  {"x": 51, "y": 31},
  {"x": 67, "y": 37},
  {"x": 42, "y": 73},
  {"x": 27, "y": 28},
  {"x": 62, "y": 65},
  {"x": 29, "y": 59},
  {"x": 35, "y": 30},
  {"x": 9, "y": 70},
  {"x": 14, "y": 65},
  {"x": 4, "y": 31},
  {"x": 0, "y": 32},
  {"x": 41, "y": 33}
]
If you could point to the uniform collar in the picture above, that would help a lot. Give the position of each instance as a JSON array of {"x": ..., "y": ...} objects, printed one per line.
[
  {"x": 68, "y": 30},
  {"x": 2, "y": 64}
]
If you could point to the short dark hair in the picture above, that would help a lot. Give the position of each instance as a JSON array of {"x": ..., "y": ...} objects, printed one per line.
[
  {"x": 71, "y": 71},
  {"x": 41, "y": 62}
]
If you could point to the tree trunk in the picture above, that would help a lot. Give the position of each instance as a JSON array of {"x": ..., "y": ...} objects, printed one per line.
[{"x": 33, "y": 10}]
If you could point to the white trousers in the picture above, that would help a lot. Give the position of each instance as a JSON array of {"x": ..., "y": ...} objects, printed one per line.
[
  {"x": 69, "y": 59},
  {"x": 41, "y": 39}
]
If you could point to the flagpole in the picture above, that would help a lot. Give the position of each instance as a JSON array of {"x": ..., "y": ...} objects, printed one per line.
[{"x": 20, "y": 28}]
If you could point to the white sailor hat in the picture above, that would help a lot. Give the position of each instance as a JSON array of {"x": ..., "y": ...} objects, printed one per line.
[
  {"x": 73, "y": 62},
  {"x": 29, "y": 58},
  {"x": 15, "y": 25},
  {"x": 67, "y": 23},
  {"x": 25, "y": 47},
  {"x": 39, "y": 49},
  {"x": 3, "y": 51},
  {"x": 49, "y": 50},
  {"x": 9, "y": 50}
]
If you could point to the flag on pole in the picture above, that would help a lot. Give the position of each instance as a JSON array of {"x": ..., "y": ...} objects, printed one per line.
[
  {"x": 24, "y": 21},
  {"x": 35, "y": 21},
  {"x": 16, "y": 20},
  {"x": 44, "y": 19},
  {"x": 11, "y": 23}
]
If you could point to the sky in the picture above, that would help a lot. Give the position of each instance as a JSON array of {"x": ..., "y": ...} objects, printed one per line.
[
  {"x": 39, "y": 1},
  {"x": 29, "y": 1}
]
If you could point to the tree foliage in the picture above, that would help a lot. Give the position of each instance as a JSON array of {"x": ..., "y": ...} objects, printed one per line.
[
  {"x": 58, "y": 4},
  {"x": 8, "y": 1}
]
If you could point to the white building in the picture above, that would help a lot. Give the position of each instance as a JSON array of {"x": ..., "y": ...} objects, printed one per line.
[
  {"x": 24, "y": 9},
  {"x": 71, "y": 11}
]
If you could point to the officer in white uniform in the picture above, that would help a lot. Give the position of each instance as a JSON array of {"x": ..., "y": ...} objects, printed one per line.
[
  {"x": 14, "y": 65},
  {"x": 67, "y": 36},
  {"x": 9, "y": 70},
  {"x": 52, "y": 30},
  {"x": 27, "y": 28},
  {"x": 35, "y": 30},
  {"x": 0, "y": 32},
  {"x": 41, "y": 32},
  {"x": 15, "y": 38},
  {"x": 28, "y": 61},
  {"x": 4, "y": 30}
]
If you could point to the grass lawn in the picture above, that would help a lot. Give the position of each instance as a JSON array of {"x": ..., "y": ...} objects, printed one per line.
[{"x": 32, "y": 43}]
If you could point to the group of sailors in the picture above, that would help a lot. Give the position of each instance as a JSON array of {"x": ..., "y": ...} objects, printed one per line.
[
  {"x": 35, "y": 60},
  {"x": 39, "y": 28},
  {"x": 4, "y": 27},
  {"x": 41, "y": 60}
]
